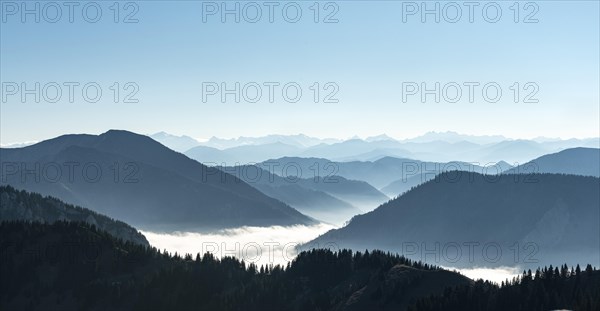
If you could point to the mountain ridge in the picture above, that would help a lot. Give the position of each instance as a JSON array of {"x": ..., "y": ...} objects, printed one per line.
[
  {"x": 27, "y": 206},
  {"x": 195, "y": 194}
]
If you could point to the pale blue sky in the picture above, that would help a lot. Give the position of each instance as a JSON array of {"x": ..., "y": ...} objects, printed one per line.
[{"x": 369, "y": 53}]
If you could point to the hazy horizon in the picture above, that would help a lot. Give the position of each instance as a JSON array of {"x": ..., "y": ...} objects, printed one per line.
[{"x": 4, "y": 144}]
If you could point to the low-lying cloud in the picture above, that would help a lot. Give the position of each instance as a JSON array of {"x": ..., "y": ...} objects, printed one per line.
[
  {"x": 496, "y": 275},
  {"x": 259, "y": 245},
  {"x": 274, "y": 245}
]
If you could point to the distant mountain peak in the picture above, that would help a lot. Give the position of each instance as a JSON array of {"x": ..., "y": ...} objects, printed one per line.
[
  {"x": 379, "y": 138},
  {"x": 119, "y": 133},
  {"x": 453, "y": 137}
]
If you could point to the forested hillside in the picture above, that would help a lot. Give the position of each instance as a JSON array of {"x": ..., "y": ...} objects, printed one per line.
[{"x": 74, "y": 266}]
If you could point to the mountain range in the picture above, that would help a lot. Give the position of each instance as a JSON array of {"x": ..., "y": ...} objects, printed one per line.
[
  {"x": 333, "y": 199},
  {"x": 141, "y": 176},
  {"x": 380, "y": 173},
  {"x": 432, "y": 146}
]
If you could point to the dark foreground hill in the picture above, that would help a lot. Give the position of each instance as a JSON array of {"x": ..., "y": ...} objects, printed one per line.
[
  {"x": 549, "y": 288},
  {"x": 461, "y": 219},
  {"x": 68, "y": 265},
  {"x": 18, "y": 205},
  {"x": 136, "y": 179},
  {"x": 74, "y": 266}
]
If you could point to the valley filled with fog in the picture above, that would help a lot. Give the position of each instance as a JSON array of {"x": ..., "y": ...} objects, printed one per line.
[{"x": 277, "y": 246}]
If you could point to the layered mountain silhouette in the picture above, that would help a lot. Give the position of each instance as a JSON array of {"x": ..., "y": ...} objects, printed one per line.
[
  {"x": 576, "y": 161},
  {"x": 383, "y": 172},
  {"x": 429, "y": 170},
  {"x": 333, "y": 199},
  {"x": 549, "y": 218},
  {"x": 18, "y": 205},
  {"x": 453, "y": 149},
  {"x": 136, "y": 179},
  {"x": 244, "y": 154},
  {"x": 432, "y": 147},
  {"x": 314, "y": 203},
  {"x": 400, "y": 186}
]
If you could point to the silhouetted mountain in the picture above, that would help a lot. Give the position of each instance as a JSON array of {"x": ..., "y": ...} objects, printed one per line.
[
  {"x": 314, "y": 203},
  {"x": 347, "y": 148},
  {"x": 430, "y": 150},
  {"x": 178, "y": 143},
  {"x": 430, "y": 170},
  {"x": 500, "y": 167},
  {"x": 576, "y": 161},
  {"x": 548, "y": 217},
  {"x": 242, "y": 154},
  {"x": 136, "y": 179},
  {"x": 378, "y": 173},
  {"x": 21, "y": 205},
  {"x": 377, "y": 154}
]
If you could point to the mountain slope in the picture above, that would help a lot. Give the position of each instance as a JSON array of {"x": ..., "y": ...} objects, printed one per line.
[
  {"x": 20, "y": 205},
  {"x": 576, "y": 161},
  {"x": 359, "y": 193},
  {"x": 549, "y": 217},
  {"x": 136, "y": 179},
  {"x": 400, "y": 186},
  {"x": 95, "y": 271}
]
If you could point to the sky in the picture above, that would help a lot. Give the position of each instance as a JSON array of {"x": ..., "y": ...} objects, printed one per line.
[{"x": 166, "y": 59}]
